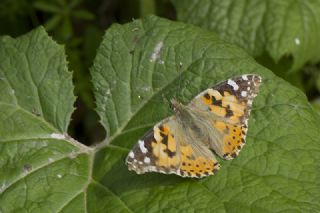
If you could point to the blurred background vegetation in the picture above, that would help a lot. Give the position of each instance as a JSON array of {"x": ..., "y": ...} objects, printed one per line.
[{"x": 80, "y": 25}]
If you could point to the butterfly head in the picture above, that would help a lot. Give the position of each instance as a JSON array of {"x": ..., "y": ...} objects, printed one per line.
[{"x": 177, "y": 107}]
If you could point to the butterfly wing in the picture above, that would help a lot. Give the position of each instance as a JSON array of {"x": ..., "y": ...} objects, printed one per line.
[
  {"x": 228, "y": 105},
  {"x": 167, "y": 149},
  {"x": 222, "y": 111}
]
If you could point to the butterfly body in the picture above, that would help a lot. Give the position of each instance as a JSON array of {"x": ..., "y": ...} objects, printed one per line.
[
  {"x": 215, "y": 119},
  {"x": 196, "y": 123}
]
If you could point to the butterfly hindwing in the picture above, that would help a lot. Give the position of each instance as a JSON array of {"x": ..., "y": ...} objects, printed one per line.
[
  {"x": 157, "y": 150},
  {"x": 229, "y": 104}
]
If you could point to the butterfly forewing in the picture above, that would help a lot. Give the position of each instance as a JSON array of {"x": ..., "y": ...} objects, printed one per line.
[{"x": 229, "y": 104}]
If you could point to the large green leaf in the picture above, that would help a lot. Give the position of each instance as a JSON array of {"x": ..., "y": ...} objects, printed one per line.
[
  {"x": 278, "y": 28},
  {"x": 41, "y": 168},
  {"x": 34, "y": 77},
  {"x": 139, "y": 66}
]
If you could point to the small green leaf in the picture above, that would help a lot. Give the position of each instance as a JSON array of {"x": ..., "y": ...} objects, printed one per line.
[
  {"x": 53, "y": 22},
  {"x": 280, "y": 28},
  {"x": 74, "y": 3},
  {"x": 83, "y": 14},
  {"x": 47, "y": 7},
  {"x": 34, "y": 77},
  {"x": 66, "y": 30}
]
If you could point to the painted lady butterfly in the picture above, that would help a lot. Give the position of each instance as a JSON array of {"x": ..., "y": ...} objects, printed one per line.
[{"x": 215, "y": 119}]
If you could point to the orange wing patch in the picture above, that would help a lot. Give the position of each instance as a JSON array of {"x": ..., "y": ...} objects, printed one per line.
[
  {"x": 233, "y": 140},
  {"x": 235, "y": 108},
  {"x": 165, "y": 148},
  {"x": 199, "y": 166},
  {"x": 224, "y": 105}
]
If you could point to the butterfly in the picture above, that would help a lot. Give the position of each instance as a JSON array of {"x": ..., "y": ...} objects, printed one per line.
[{"x": 216, "y": 119}]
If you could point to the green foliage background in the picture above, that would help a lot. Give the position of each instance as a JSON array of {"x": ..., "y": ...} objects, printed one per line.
[{"x": 117, "y": 91}]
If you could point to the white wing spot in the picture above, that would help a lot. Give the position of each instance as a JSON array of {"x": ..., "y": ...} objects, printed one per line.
[
  {"x": 131, "y": 154},
  {"x": 297, "y": 41},
  {"x": 245, "y": 77},
  {"x": 142, "y": 147},
  {"x": 146, "y": 160},
  {"x": 59, "y": 175},
  {"x": 244, "y": 93},
  {"x": 233, "y": 84}
]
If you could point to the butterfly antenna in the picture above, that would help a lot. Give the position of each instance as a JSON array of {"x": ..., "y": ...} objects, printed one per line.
[
  {"x": 179, "y": 73},
  {"x": 165, "y": 99}
]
